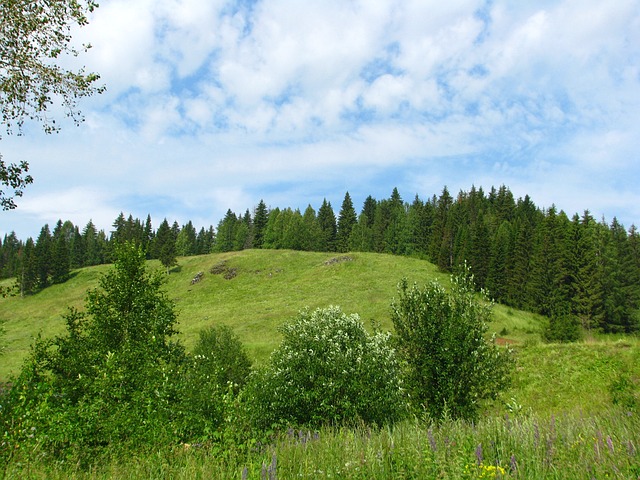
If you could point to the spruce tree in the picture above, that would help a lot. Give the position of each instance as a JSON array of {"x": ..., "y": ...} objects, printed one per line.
[
  {"x": 225, "y": 240},
  {"x": 260, "y": 218},
  {"x": 395, "y": 235},
  {"x": 346, "y": 220},
  {"x": 165, "y": 246},
  {"x": 186, "y": 241},
  {"x": 272, "y": 234},
  {"x": 311, "y": 230},
  {"x": 60, "y": 262},
  {"x": 497, "y": 279},
  {"x": 328, "y": 227},
  {"x": 292, "y": 229},
  {"x": 205, "y": 240},
  {"x": 92, "y": 254},
  {"x": 27, "y": 277},
  {"x": 441, "y": 249},
  {"x": 43, "y": 252}
]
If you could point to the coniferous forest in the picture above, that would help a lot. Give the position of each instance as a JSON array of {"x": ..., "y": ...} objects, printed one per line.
[{"x": 581, "y": 272}]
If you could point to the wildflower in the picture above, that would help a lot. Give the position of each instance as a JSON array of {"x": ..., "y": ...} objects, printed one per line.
[
  {"x": 610, "y": 444},
  {"x": 479, "y": 456}
]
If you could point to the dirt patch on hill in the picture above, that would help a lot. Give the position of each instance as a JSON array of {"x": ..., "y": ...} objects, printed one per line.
[{"x": 505, "y": 341}]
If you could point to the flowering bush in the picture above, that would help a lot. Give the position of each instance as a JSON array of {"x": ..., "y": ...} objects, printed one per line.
[{"x": 328, "y": 369}]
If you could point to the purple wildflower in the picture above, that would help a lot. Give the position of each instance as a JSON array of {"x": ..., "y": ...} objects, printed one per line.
[{"x": 479, "y": 456}]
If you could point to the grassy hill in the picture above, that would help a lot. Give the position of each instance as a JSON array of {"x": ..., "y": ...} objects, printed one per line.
[{"x": 255, "y": 291}]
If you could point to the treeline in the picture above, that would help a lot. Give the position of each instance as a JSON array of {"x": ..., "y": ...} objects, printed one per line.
[
  {"x": 578, "y": 271},
  {"x": 51, "y": 257}
]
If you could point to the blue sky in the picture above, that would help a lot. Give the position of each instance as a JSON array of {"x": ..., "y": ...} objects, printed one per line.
[{"x": 216, "y": 105}]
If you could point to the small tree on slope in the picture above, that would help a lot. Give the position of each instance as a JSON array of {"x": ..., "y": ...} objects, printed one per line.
[{"x": 441, "y": 336}]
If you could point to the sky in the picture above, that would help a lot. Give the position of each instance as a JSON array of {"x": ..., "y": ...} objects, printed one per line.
[{"x": 216, "y": 105}]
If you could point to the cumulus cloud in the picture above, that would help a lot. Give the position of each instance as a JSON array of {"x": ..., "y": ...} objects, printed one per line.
[{"x": 232, "y": 100}]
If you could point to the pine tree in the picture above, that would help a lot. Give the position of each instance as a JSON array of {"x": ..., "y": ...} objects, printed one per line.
[
  {"x": 311, "y": 230},
  {"x": 328, "y": 227},
  {"x": 60, "y": 261},
  {"x": 186, "y": 241},
  {"x": 346, "y": 220},
  {"x": 497, "y": 279},
  {"x": 260, "y": 218},
  {"x": 165, "y": 246},
  {"x": 225, "y": 241},
  {"x": 27, "y": 277},
  {"x": 43, "y": 253}
]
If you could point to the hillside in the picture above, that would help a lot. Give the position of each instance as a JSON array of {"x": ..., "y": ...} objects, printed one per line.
[
  {"x": 267, "y": 288},
  {"x": 255, "y": 291}
]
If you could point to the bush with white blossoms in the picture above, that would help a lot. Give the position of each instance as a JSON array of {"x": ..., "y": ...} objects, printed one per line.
[{"x": 328, "y": 370}]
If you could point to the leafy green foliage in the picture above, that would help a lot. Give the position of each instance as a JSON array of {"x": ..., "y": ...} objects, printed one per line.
[
  {"x": 451, "y": 366},
  {"x": 210, "y": 382},
  {"x": 113, "y": 377},
  {"x": 564, "y": 328},
  {"x": 221, "y": 357},
  {"x": 328, "y": 369},
  {"x": 13, "y": 176}
]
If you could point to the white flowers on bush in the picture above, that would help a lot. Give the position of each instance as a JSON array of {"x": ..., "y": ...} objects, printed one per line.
[{"x": 329, "y": 369}]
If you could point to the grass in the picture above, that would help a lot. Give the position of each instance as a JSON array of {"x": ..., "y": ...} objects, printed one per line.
[
  {"x": 520, "y": 446},
  {"x": 269, "y": 288},
  {"x": 571, "y": 412}
]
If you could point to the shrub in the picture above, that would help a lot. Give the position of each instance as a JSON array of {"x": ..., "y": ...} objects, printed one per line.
[
  {"x": 217, "y": 370},
  {"x": 328, "y": 370},
  {"x": 220, "y": 356},
  {"x": 562, "y": 329},
  {"x": 451, "y": 366},
  {"x": 112, "y": 379}
]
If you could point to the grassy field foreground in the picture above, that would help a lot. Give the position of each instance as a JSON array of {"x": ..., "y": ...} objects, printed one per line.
[{"x": 519, "y": 446}]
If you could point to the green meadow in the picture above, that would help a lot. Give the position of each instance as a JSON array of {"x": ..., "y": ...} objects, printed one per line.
[{"x": 571, "y": 411}]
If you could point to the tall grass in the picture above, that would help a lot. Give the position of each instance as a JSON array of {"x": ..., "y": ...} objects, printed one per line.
[{"x": 523, "y": 446}]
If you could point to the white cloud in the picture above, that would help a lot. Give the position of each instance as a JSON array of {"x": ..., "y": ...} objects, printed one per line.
[{"x": 210, "y": 102}]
